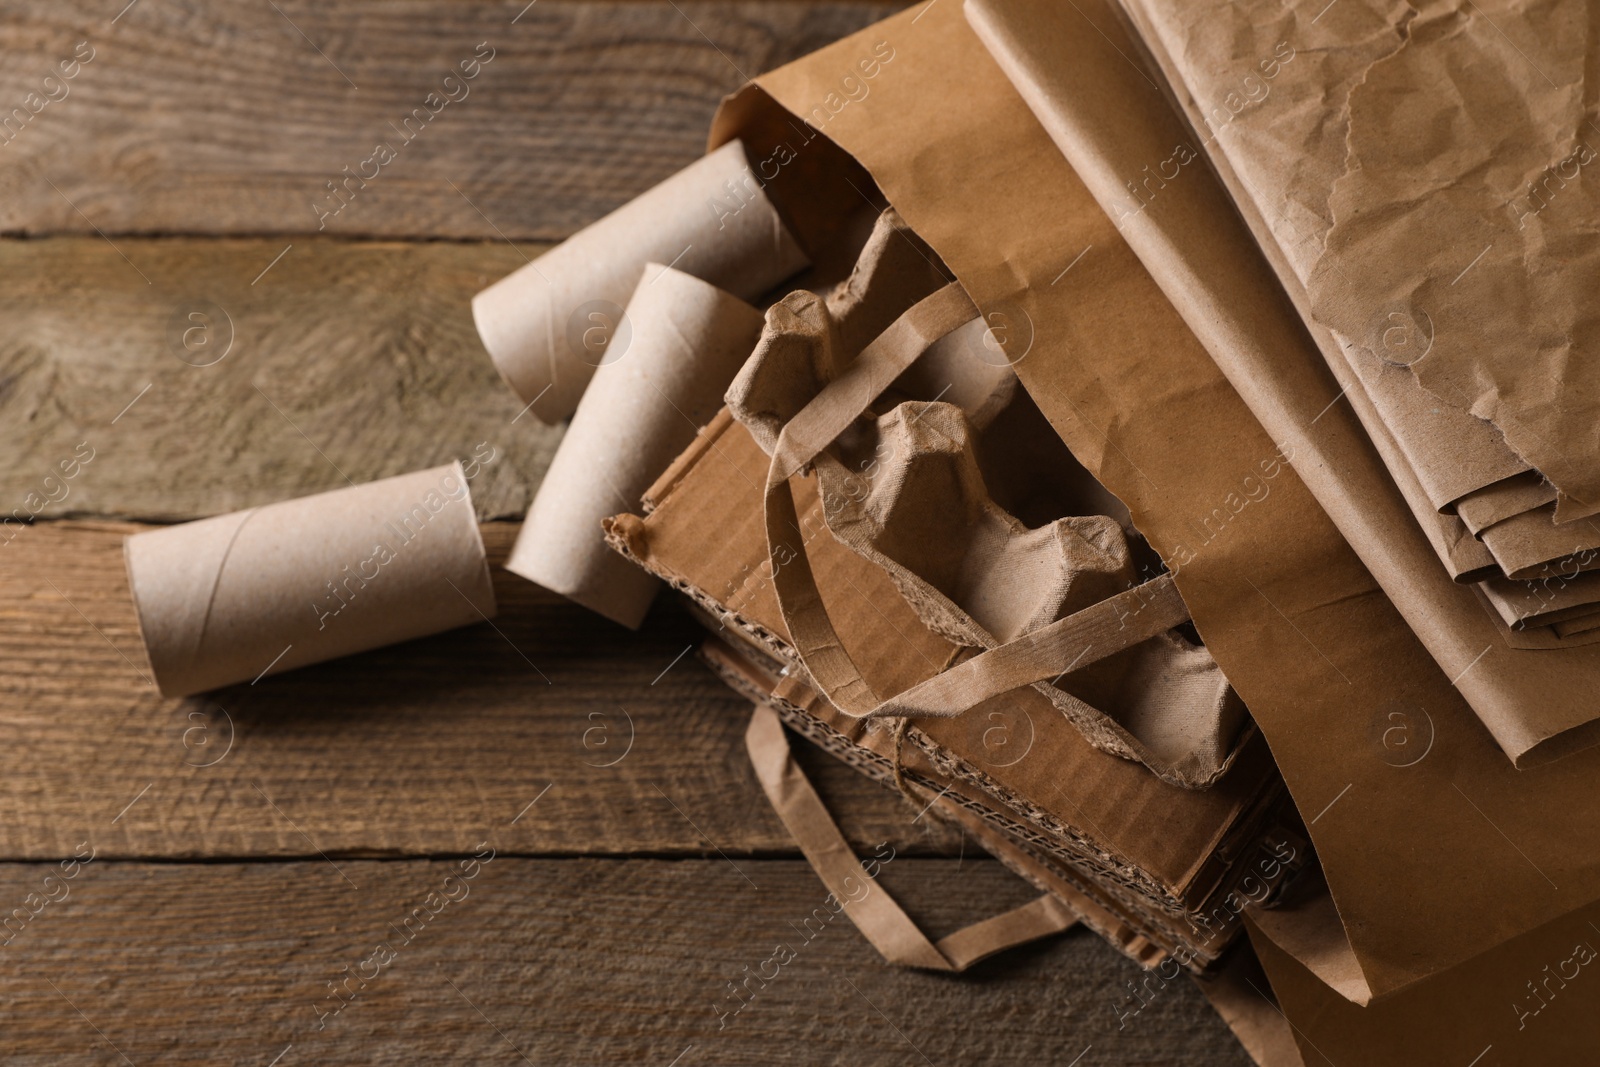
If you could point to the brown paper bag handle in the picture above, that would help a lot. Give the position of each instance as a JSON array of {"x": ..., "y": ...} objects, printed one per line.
[
  {"x": 873, "y": 911},
  {"x": 1068, "y": 644},
  {"x": 1139, "y": 614}
]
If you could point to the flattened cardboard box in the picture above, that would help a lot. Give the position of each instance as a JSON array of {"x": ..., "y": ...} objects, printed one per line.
[{"x": 1176, "y": 848}]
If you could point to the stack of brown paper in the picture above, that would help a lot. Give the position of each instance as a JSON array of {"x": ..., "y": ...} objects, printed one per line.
[
  {"x": 1208, "y": 266},
  {"x": 551, "y": 323},
  {"x": 237, "y": 597},
  {"x": 643, "y": 407},
  {"x": 1482, "y": 418},
  {"x": 1174, "y": 893}
]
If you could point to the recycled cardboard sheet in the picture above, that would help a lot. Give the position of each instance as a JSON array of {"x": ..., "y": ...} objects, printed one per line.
[
  {"x": 706, "y": 534},
  {"x": 236, "y": 597},
  {"x": 688, "y": 339},
  {"x": 955, "y": 776},
  {"x": 551, "y": 322},
  {"x": 1318, "y": 652},
  {"x": 863, "y": 747}
]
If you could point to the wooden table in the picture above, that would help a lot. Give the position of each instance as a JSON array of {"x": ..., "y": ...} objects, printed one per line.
[{"x": 172, "y": 308}]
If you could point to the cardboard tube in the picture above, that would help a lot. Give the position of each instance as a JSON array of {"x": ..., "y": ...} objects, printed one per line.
[
  {"x": 549, "y": 324},
  {"x": 236, "y": 597},
  {"x": 688, "y": 341}
]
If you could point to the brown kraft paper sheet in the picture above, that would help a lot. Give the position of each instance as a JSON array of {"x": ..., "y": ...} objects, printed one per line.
[
  {"x": 1383, "y": 395},
  {"x": 1555, "y": 598},
  {"x": 870, "y": 751},
  {"x": 236, "y": 597},
  {"x": 1532, "y": 544},
  {"x": 1449, "y": 451},
  {"x": 1239, "y": 994},
  {"x": 1511, "y": 496},
  {"x": 1106, "y": 114},
  {"x": 1313, "y": 645},
  {"x": 1525, "y": 1003},
  {"x": 1450, "y": 140}
]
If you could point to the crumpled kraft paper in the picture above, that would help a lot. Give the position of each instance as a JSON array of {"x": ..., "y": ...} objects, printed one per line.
[
  {"x": 237, "y": 597},
  {"x": 688, "y": 339},
  {"x": 1436, "y": 154},
  {"x": 1534, "y": 706},
  {"x": 549, "y": 324},
  {"x": 1316, "y": 649},
  {"x": 1106, "y": 115}
]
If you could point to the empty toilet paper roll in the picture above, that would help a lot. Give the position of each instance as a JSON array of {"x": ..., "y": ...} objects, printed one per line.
[
  {"x": 550, "y": 323},
  {"x": 644, "y": 406},
  {"x": 231, "y": 598}
]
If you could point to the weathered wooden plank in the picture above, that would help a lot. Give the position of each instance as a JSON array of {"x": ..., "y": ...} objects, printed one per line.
[
  {"x": 551, "y": 962},
  {"x": 214, "y": 117},
  {"x": 416, "y": 749},
  {"x": 217, "y": 386}
]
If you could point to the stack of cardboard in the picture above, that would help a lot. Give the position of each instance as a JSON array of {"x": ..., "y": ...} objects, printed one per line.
[
  {"x": 1135, "y": 466},
  {"x": 1166, "y": 869}
]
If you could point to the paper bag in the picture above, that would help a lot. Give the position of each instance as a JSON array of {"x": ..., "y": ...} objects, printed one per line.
[{"x": 1321, "y": 657}]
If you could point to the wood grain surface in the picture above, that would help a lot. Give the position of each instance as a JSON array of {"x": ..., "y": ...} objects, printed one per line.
[
  {"x": 410, "y": 750},
  {"x": 236, "y": 378},
  {"x": 234, "y": 117},
  {"x": 574, "y": 961},
  {"x": 183, "y": 301}
]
